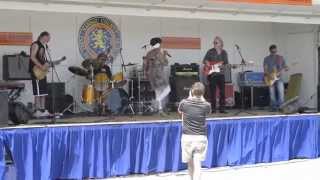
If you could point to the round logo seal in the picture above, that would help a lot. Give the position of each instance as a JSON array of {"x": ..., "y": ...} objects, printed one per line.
[{"x": 97, "y": 35}]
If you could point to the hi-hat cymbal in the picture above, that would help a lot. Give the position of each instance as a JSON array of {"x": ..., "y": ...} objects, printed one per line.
[
  {"x": 78, "y": 71},
  {"x": 118, "y": 84},
  {"x": 130, "y": 64}
]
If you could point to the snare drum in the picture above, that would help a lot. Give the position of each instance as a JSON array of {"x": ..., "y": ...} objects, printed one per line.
[
  {"x": 88, "y": 94},
  {"x": 101, "y": 81}
]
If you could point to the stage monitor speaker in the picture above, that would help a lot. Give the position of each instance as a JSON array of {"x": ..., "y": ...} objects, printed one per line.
[
  {"x": 56, "y": 89},
  {"x": 4, "y": 108},
  {"x": 16, "y": 67},
  {"x": 180, "y": 87}
]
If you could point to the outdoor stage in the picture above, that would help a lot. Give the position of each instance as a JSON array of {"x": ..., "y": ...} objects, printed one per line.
[{"x": 107, "y": 149}]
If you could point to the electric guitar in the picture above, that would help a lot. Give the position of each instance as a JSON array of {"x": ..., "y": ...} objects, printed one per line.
[
  {"x": 271, "y": 78},
  {"x": 40, "y": 73},
  {"x": 216, "y": 66}
]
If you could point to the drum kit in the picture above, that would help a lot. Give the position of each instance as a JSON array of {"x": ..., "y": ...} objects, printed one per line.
[{"x": 105, "y": 94}]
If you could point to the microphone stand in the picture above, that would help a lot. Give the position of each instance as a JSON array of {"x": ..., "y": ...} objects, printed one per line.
[
  {"x": 53, "y": 72},
  {"x": 123, "y": 67},
  {"x": 123, "y": 70},
  {"x": 242, "y": 96}
]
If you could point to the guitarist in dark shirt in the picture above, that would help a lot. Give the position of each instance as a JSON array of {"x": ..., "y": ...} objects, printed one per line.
[
  {"x": 38, "y": 58},
  {"x": 216, "y": 79}
]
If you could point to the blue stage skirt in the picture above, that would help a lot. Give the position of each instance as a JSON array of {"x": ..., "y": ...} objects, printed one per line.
[{"x": 104, "y": 150}]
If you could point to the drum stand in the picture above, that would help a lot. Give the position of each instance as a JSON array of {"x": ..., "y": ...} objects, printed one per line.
[
  {"x": 142, "y": 106},
  {"x": 131, "y": 98}
]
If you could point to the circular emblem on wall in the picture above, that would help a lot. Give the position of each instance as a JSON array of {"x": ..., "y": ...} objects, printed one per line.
[{"x": 97, "y": 35}]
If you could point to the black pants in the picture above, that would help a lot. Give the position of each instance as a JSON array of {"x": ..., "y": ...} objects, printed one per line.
[{"x": 217, "y": 81}]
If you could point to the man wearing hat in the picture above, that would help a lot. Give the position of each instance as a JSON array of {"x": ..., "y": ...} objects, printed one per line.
[{"x": 155, "y": 63}]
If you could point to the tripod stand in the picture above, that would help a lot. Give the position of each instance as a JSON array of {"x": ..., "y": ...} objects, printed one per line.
[{"x": 243, "y": 64}]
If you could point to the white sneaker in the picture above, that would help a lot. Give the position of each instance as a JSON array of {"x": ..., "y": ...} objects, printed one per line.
[
  {"x": 45, "y": 114},
  {"x": 37, "y": 114}
]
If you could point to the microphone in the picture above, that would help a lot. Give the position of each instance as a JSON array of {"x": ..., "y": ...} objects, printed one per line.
[
  {"x": 237, "y": 46},
  {"x": 166, "y": 53},
  {"x": 144, "y": 47}
]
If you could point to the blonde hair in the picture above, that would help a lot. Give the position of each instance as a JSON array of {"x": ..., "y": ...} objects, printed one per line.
[
  {"x": 220, "y": 40},
  {"x": 198, "y": 89}
]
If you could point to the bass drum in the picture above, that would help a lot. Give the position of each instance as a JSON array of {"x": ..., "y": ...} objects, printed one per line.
[{"x": 117, "y": 101}]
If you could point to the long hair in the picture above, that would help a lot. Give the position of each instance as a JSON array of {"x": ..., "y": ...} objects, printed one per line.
[
  {"x": 44, "y": 33},
  {"x": 220, "y": 40}
]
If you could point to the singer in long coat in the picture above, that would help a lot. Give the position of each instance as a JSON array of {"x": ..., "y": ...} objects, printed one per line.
[{"x": 155, "y": 62}]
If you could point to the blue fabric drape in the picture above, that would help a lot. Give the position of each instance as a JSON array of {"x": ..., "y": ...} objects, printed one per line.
[{"x": 99, "y": 151}]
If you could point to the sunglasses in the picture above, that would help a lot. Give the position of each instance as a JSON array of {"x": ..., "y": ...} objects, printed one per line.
[{"x": 215, "y": 43}]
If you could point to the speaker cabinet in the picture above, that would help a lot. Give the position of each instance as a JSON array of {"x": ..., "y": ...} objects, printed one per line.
[
  {"x": 16, "y": 67},
  {"x": 146, "y": 92},
  {"x": 260, "y": 97},
  {"x": 180, "y": 87},
  {"x": 56, "y": 89},
  {"x": 59, "y": 104},
  {"x": 4, "y": 108}
]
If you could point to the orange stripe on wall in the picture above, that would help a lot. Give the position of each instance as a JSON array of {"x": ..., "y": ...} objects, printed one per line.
[
  {"x": 284, "y": 2},
  {"x": 181, "y": 43},
  {"x": 16, "y": 38}
]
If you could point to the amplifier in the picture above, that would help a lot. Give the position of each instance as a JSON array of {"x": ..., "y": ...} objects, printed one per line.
[
  {"x": 185, "y": 69},
  {"x": 56, "y": 89},
  {"x": 146, "y": 91},
  {"x": 251, "y": 79},
  {"x": 16, "y": 67},
  {"x": 58, "y": 104},
  {"x": 229, "y": 95},
  {"x": 4, "y": 110},
  {"x": 180, "y": 87}
]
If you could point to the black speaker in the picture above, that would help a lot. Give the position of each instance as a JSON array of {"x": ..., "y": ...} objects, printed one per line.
[
  {"x": 4, "y": 108},
  {"x": 318, "y": 97},
  {"x": 180, "y": 87},
  {"x": 146, "y": 92},
  {"x": 60, "y": 103},
  {"x": 261, "y": 97},
  {"x": 56, "y": 89},
  {"x": 16, "y": 67}
]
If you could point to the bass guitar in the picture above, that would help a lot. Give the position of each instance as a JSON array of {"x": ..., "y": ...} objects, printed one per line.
[{"x": 40, "y": 73}]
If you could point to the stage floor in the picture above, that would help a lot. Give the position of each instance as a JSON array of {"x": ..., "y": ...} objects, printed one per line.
[{"x": 85, "y": 118}]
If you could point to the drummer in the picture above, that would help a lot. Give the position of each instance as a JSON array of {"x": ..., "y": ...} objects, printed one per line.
[
  {"x": 100, "y": 64},
  {"x": 105, "y": 59}
]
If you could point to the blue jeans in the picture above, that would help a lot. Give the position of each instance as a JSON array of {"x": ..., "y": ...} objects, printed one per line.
[{"x": 276, "y": 89}]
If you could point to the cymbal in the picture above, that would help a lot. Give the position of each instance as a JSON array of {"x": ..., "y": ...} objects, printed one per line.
[
  {"x": 130, "y": 64},
  {"x": 78, "y": 71},
  {"x": 119, "y": 84},
  {"x": 96, "y": 64}
]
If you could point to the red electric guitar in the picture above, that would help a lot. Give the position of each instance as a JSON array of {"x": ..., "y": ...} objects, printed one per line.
[{"x": 216, "y": 66}]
